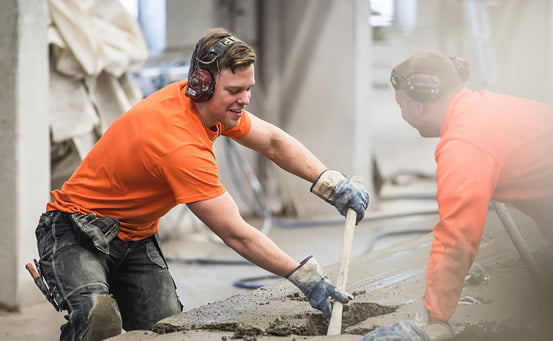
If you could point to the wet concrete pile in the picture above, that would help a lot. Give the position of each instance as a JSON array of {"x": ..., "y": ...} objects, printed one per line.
[{"x": 278, "y": 310}]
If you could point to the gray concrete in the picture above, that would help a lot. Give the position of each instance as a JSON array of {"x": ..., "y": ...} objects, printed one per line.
[{"x": 24, "y": 141}]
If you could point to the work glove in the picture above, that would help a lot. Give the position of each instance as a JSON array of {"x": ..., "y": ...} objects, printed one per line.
[
  {"x": 308, "y": 277},
  {"x": 411, "y": 331},
  {"x": 341, "y": 192}
]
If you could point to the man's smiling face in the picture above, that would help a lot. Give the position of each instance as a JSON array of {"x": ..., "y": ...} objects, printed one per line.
[{"x": 232, "y": 93}]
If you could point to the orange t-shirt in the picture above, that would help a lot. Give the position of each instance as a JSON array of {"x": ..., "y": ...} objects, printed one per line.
[
  {"x": 153, "y": 157},
  {"x": 492, "y": 147}
]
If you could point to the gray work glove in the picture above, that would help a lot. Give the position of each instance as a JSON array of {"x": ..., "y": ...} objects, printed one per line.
[
  {"x": 411, "y": 331},
  {"x": 308, "y": 277},
  {"x": 341, "y": 192}
]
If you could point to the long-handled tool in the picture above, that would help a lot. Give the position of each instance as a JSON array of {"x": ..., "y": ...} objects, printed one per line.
[
  {"x": 516, "y": 237},
  {"x": 335, "y": 324}
]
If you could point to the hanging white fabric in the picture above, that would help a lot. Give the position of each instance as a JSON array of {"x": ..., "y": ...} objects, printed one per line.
[{"x": 93, "y": 45}]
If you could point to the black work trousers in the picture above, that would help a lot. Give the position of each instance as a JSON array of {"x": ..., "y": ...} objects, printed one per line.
[{"x": 132, "y": 280}]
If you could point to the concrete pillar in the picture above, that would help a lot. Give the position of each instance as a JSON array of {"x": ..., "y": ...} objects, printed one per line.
[
  {"x": 326, "y": 86},
  {"x": 152, "y": 17},
  {"x": 362, "y": 145},
  {"x": 24, "y": 142},
  {"x": 187, "y": 21}
]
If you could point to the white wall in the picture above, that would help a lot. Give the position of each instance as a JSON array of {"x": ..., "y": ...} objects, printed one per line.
[
  {"x": 24, "y": 146},
  {"x": 325, "y": 90}
]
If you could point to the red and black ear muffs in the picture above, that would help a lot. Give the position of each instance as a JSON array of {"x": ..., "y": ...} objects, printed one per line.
[
  {"x": 201, "y": 80},
  {"x": 425, "y": 87}
]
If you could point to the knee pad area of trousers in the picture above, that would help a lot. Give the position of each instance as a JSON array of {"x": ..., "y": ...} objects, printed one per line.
[{"x": 104, "y": 320}]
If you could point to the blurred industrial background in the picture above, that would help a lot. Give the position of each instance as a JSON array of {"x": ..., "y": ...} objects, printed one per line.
[{"x": 70, "y": 67}]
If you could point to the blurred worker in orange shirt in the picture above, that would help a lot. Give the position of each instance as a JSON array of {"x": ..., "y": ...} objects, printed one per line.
[{"x": 492, "y": 147}]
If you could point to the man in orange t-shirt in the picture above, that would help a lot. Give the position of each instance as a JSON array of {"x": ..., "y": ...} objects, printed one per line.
[
  {"x": 492, "y": 147},
  {"x": 96, "y": 241}
]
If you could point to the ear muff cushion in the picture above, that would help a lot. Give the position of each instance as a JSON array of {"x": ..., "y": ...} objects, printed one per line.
[
  {"x": 200, "y": 85},
  {"x": 422, "y": 87}
]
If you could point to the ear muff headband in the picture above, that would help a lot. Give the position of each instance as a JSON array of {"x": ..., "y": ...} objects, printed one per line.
[{"x": 201, "y": 80}]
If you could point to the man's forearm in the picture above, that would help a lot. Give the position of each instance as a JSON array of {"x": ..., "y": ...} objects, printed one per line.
[
  {"x": 292, "y": 156},
  {"x": 263, "y": 252}
]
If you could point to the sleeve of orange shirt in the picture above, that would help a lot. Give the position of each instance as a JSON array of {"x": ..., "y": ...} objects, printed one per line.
[{"x": 466, "y": 177}]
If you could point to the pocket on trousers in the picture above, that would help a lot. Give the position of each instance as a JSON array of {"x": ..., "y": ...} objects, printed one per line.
[{"x": 154, "y": 254}]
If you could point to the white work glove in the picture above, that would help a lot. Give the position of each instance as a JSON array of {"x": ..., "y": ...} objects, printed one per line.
[
  {"x": 411, "y": 331},
  {"x": 308, "y": 277},
  {"x": 341, "y": 192}
]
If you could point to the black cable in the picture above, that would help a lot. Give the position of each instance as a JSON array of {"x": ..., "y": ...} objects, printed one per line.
[
  {"x": 244, "y": 283},
  {"x": 207, "y": 261}
]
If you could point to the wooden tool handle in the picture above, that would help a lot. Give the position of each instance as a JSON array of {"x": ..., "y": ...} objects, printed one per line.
[
  {"x": 335, "y": 324},
  {"x": 31, "y": 270}
]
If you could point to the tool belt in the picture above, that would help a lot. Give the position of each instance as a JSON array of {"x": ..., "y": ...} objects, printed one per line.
[{"x": 93, "y": 232}]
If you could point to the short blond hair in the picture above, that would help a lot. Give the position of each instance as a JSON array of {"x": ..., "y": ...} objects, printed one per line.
[{"x": 237, "y": 56}]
